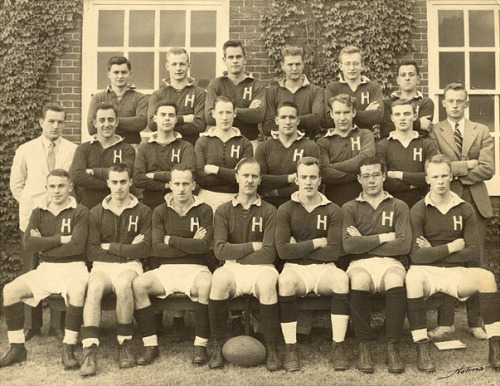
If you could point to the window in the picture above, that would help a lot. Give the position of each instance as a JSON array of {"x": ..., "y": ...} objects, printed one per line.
[{"x": 464, "y": 45}]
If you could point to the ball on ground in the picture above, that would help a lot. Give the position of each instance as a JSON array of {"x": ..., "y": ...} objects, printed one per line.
[{"x": 244, "y": 351}]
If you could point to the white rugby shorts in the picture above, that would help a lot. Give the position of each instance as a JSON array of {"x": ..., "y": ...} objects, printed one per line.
[
  {"x": 441, "y": 279},
  {"x": 113, "y": 270},
  {"x": 376, "y": 268},
  {"x": 310, "y": 274},
  {"x": 179, "y": 278},
  {"x": 246, "y": 275}
]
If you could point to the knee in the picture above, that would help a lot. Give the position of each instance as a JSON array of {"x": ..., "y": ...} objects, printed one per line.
[
  {"x": 122, "y": 285},
  {"x": 139, "y": 284},
  {"x": 360, "y": 280},
  {"x": 220, "y": 283},
  {"x": 286, "y": 284},
  {"x": 76, "y": 292},
  {"x": 266, "y": 285},
  {"x": 9, "y": 293},
  {"x": 203, "y": 285},
  {"x": 341, "y": 281},
  {"x": 414, "y": 279},
  {"x": 486, "y": 280},
  {"x": 393, "y": 278}
]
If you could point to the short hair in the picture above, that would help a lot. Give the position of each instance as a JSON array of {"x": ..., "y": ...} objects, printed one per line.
[
  {"x": 59, "y": 173},
  {"x": 105, "y": 106},
  {"x": 350, "y": 50},
  {"x": 119, "y": 60},
  {"x": 374, "y": 160},
  {"x": 287, "y": 104},
  {"x": 308, "y": 161},
  {"x": 455, "y": 87},
  {"x": 409, "y": 63},
  {"x": 234, "y": 44},
  {"x": 292, "y": 51},
  {"x": 182, "y": 168},
  {"x": 437, "y": 159},
  {"x": 167, "y": 103},
  {"x": 176, "y": 51},
  {"x": 345, "y": 99},
  {"x": 224, "y": 99},
  {"x": 404, "y": 102},
  {"x": 120, "y": 168},
  {"x": 51, "y": 106},
  {"x": 245, "y": 161}
]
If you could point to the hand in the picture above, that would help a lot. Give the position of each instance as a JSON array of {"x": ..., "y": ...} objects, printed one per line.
[
  {"x": 35, "y": 233},
  {"x": 353, "y": 231},
  {"x": 320, "y": 242},
  {"x": 422, "y": 242},
  {"x": 257, "y": 245},
  {"x": 456, "y": 245},
  {"x": 373, "y": 106},
  {"x": 256, "y": 103},
  {"x": 426, "y": 123},
  {"x": 211, "y": 169},
  {"x": 166, "y": 239},
  {"x": 200, "y": 233},
  {"x": 387, "y": 237},
  {"x": 167, "y": 185},
  {"x": 105, "y": 246},
  {"x": 89, "y": 171},
  {"x": 472, "y": 163},
  {"x": 292, "y": 240},
  {"x": 395, "y": 174},
  {"x": 138, "y": 239},
  {"x": 150, "y": 175},
  {"x": 65, "y": 239},
  {"x": 188, "y": 118},
  {"x": 292, "y": 178}
]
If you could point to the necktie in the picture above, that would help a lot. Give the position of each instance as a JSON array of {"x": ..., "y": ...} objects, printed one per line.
[
  {"x": 458, "y": 138},
  {"x": 51, "y": 156}
]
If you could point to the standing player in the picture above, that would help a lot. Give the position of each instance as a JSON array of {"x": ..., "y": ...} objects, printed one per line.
[
  {"x": 405, "y": 153},
  {"x": 217, "y": 152},
  {"x": 57, "y": 232},
  {"x": 341, "y": 149},
  {"x": 296, "y": 88},
  {"x": 132, "y": 105},
  {"x": 408, "y": 79},
  {"x": 119, "y": 235},
  {"x": 445, "y": 234},
  {"x": 278, "y": 155},
  {"x": 181, "y": 90},
  {"x": 244, "y": 234},
  {"x": 89, "y": 169},
  {"x": 182, "y": 233},
  {"x": 247, "y": 93},
  {"x": 368, "y": 94},
  {"x": 376, "y": 233},
  {"x": 308, "y": 238}
]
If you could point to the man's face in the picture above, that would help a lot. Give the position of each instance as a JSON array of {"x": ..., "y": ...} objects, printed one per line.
[
  {"x": 293, "y": 66},
  {"x": 234, "y": 60},
  {"x": 178, "y": 66},
  {"x": 342, "y": 115},
  {"x": 105, "y": 122},
  {"x": 58, "y": 189},
  {"x": 165, "y": 119},
  {"x": 224, "y": 114},
  {"x": 308, "y": 180},
  {"x": 287, "y": 121},
  {"x": 455, "y": 103},
  {"x": 371, "y": 179},
  {"x": 248, "y": 178},
  {"x": 182, "y": 185},
  {"x": 52, "y": 125},
  {"x": 119, "y": 184},
  {"x": 403, "y": 117},
  {"x": 351, "y": 66},
  {"x": 439, "y": 178},
  {"x": 408, "y": 79},
  {"x": 119, "y": 75}
]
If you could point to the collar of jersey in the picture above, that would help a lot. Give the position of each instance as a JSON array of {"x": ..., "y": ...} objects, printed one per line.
[
  {"x": 116, "y": 137},
  {"x": 397, "y": 95},
  {"x": 364, "y": 79},
  {"x": 416, "y": 135},
  {"x": 153, "y": 138},
  {"x": 225, "y": 74},
  {"x": 167, "y": 83},
  {"x": 305, "y": 81},
  {"x": 324, "y": 201},
  {"x": 361, "y": 198},
  {"x": 331, "y": 132},
  {"x": 134, "y": 201},
  {"x": 129, "y": 87},
  {"x": 235, "y": 202},
  {"x": 170, "y": 196},
  {"x": 235, "y": 132},
  {"x": 276, "y": 135},
  {"x": 44, "y": 205},
  {"x": 455, "y": 201}
]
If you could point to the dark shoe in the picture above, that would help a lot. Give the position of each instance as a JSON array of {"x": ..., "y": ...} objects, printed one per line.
[
  {"x": 200, "y": 356},
  {"x": 149, "y": 354},
  {"x": 339, "y": 356},
  {"x": 57, "y": 332},
  {"x": 292, "y": 361},
  {"x": 178, "y": 331},
  {"x": 365, "y": 361},
  {"x": 494, "y": 354},
  {"x": 237, "y": 326},
  {"x": 30, "y": 333},
  {"x": 216, "y": 359},
  {"x": 68, "y": 357},
  {"x": 394, "y": 362},
  {"x": 16, "y": 354},
  {"x": 125, "y": 357},
  {"x": 424, "y": 361},
  {"x": 89, "y": 363},
  {"x": 273, "y": 361}
]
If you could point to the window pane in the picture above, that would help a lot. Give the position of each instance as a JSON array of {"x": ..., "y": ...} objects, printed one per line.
[
  {"x": 102, "y": 68},
  {"x": 110, "y": 28},
  {"x": 451, "y": 28},
  {"x": 172, "y": 28},
  {"x": 481, "y": 109},
  {"x": 482, "y": 70},
  {"x": 481, "y": 29},
  {"x": 142, "y": 69},
  {"x": 203, "y": 28},
  {"x": 142, "y": 29},
  {"x": 451, "y": 68},
  {"x": 203, "y": 67}
]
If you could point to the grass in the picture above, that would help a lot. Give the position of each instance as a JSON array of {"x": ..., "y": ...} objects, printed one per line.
[{"x": 174, "y": 368}]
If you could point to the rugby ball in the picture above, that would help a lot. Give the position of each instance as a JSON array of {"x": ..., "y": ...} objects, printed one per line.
[{"x": 244, "y": 351}]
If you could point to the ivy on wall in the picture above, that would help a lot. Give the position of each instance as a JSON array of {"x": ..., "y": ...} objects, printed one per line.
[
  {"x": 380, "y": 28},
  {"x": 31, "y": 37}
]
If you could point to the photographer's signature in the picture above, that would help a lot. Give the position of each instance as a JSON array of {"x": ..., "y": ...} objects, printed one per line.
[{"x": 466, "y": 370}]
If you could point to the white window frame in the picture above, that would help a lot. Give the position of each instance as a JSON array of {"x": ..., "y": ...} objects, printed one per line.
[
  {"x": 90, "y": 35},
  {"x": 433, "y": 6}
]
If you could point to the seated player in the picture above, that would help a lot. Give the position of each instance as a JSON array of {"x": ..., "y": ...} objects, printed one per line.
[
  {"x": 308, "y": 238},
  {"x": 244, "y": 240},
  {"x": 119, "y": 235},
  {"x": 405, "y": 153},
  {"x": 376, "y": 233},
  {"x": 57, "y": 231},
  {"x": 217, "y": 152},
  {"x": 182, "y": 233},
  {"x": 445, "y": 239},
  {"x": 278, "y": 155},
  {"x": 341, "y": 149}
]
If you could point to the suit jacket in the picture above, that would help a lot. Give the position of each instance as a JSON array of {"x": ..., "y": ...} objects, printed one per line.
[
  {"x": 477, "y": 145},
  {"x": 29, "y": 172}
]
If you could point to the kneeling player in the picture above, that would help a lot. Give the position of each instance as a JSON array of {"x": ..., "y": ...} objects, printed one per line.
[
  {"x": 445, "y": 236},
  {"x": 244, "y": 232},
  {"x": 57, "y": 231},
  {"x": 119, "y": 235},
  {"x": 308, "y": 238},
  {"x": 182, "y": 233}
]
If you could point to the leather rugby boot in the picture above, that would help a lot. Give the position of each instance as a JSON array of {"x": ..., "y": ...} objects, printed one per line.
[
  {"x": 273, "y": 361},
  {"x": 16, "y": 354},
  {"x": 339, "y": 356},
  {"x": 365, "y": 361},
  {"x": 68, "y": 357},
  {"x": 440, "y": 332},
  {"x": 125, "y": 357},
  {"x": 57, "y": 332},
  {"x": 424, "y": 361},
  {"x": 30, "y": 333},
  {"x": 393, "y": 359},
  {"x": 88, "y": 367},
  {"x": 292, "y": 360},
  {"x": 149, "y": 354},
  {"x": 216, "y": 359},
  {"x": 200, "y": 356},
  {"x": 494, "y": 354}
]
